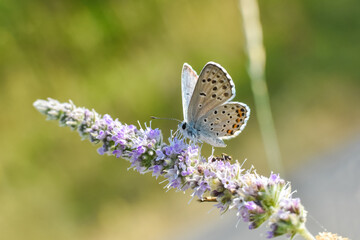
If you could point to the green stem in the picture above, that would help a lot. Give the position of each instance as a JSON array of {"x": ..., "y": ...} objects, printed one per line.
[
  {"x": 256, "y": 53},
  {"x": 306, "y": 234}
]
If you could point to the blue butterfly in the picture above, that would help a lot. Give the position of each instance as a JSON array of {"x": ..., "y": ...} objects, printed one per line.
[{"x": 209, "y": 116}]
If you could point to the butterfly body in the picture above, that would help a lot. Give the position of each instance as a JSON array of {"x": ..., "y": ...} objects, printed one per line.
[
  {"x": 209, "y": 116},
  {"x": 189, "y": 131}
]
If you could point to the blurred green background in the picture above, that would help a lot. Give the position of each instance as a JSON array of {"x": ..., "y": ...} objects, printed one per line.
[{"x": 125, "y": 58}]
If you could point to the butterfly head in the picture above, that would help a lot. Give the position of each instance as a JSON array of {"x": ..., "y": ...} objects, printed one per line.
[{"x": 188, "y": 131}]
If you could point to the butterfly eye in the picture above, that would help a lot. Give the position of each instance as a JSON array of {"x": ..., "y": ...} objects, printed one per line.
[{"x": 183, "y": 126}]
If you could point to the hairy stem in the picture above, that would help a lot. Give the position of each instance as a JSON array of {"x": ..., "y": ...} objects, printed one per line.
[{"x": 256, "y": 53}]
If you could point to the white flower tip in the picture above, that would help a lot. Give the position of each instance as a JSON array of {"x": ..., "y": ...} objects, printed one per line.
[{"x": 40, "y": 105}]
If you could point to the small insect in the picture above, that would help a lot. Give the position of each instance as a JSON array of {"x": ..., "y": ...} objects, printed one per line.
[
  {"x": 209, "y": 116},
  {"x": 224, "y": 157}
]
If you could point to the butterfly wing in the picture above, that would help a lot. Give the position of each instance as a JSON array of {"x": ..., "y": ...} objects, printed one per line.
[
  {"x": 188, "y": 82},
  {"x": 223, "y": 122},
  {"x": 213, "y": 88}
]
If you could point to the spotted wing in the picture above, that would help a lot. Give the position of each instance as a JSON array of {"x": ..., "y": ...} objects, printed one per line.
[
  {"x": 224, "y": 122},
  {"x": 213, "y": 88},
  {"x": 188, "y": 82}
]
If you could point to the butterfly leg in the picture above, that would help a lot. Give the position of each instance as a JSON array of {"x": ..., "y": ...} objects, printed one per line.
[
  {"x": 212, "y": 151},
  {"x": 174, "y": 134}
]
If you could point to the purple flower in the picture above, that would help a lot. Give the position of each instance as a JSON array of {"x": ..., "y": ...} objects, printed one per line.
[
  {"x": 208, "y": 173},
  {"x": 250, "y": 205},
  {"x": 244, "y": 213},
  {"x": 168, "y": 150},
  {"x": 101, "y": 150},
  {"x": 176, "y": 146},
  {"x": 274, "y": 178},
  {"x": 153, "y": 133},
  {"x": 188, "y": 171},
  {"x": 101, "y": 135},
  {"x": 117, "y": 153},
  {"x": 156, "y": 170},
  {"x": 270, "y": 234},
  {"x": 289, "y": 218},
  {"x": 160, "y": 155},
  {"x": 176, "y": 183},
  {"x": 108, "y": 119},
  {"x": 256, "y": 198},
  {"x": 201, "y": 189},
  {"x": 140, "y": 150},
  {"x": 119, "y": 136}
]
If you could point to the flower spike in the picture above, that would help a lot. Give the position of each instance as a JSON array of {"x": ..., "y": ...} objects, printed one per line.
[{"x": 256, "y": 198}]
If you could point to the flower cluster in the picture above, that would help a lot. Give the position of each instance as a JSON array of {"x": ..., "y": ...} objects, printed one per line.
[
  {"x": 256, "y": 198},
  {"x": 262, "y": 197},
  {"x": 289, "y": 217},
  {"x": 329, "y": 236}
]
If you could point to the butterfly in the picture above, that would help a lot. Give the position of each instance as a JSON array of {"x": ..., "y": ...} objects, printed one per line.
[{"x": 209, "y": 116}]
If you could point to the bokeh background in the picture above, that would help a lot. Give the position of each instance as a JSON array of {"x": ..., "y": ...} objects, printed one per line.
[{"x": 125, "y": 58}]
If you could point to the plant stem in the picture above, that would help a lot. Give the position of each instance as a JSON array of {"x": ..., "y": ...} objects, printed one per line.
[
  {"x": 256, "y": 53},
  {"x": 306, "y": 234}
]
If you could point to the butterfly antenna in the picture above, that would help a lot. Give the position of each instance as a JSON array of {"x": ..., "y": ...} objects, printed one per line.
[{"x": 152, "y": 117}]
